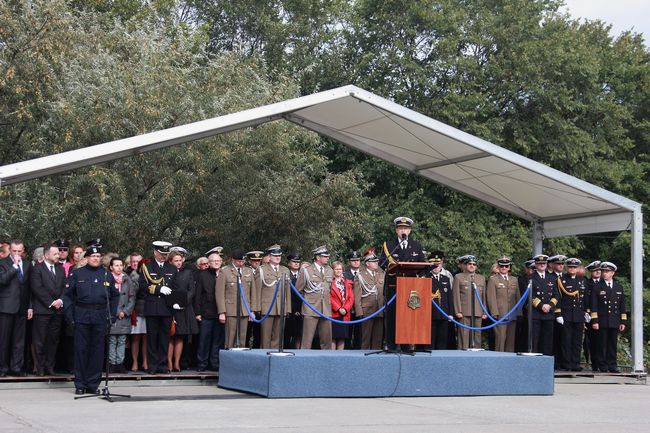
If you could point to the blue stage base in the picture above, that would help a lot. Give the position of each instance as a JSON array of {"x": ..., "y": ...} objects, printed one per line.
[{"x": 348, "y": 373}]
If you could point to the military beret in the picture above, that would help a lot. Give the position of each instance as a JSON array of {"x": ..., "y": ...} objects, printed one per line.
[
  {"x": 461, "y": 259},
  {"x": 403, "y": 222},
  {"x": 255, "y": 255},
  {"x": 274, "y": 250},
  {"x": 593, "y": 266},
  {"x": 608, "y": 266},
  {"x": 572, "y": 262},
  {"x": 161, "y": 246},
  {"x": 320, "y": 251},
  {"x": 238, "y": 255},
  {"x": 217, "y": 250}
]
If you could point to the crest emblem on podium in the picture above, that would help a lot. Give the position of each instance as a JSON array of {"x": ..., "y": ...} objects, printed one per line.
[{"x": 414, "y": 300}]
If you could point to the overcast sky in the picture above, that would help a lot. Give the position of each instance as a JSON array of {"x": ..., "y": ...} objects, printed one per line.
[{"x": 622, "y": 14}]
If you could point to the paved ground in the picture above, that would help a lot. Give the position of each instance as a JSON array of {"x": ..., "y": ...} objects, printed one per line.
[{"x": 573, "y": 408}]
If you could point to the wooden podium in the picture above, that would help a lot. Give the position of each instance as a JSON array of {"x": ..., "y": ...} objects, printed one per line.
[{"x": 413, "y": 303}]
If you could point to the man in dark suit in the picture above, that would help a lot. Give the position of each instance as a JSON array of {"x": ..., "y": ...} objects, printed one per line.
[
  {"x": 398, "y": 249},
  {"x": 47, "y": 283},
  {"x": 154, "y": 282},
  {"x": 14, "y": 309},
  {"x": 211, "y": 332}
]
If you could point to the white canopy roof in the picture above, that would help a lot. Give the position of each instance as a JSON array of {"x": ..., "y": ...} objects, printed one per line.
[{"x": 381, "y": 128}]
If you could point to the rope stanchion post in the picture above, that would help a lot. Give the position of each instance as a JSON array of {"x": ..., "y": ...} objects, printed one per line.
[
  {"x": 530, "y": 323},
  {"x": 238, "y": 320},
  {"x": 283, "y": 313}
]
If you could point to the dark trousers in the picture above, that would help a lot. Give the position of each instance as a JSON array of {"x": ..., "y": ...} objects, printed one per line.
[
  {"x": 12, "y": 342},
  {"x": 543, "y": 336},
  {"x": 211, "y": 340},
  {"x": 521, "y": 335},
  {"x": 607, "y": 345},
  {"x": 571, "y": 344},
  {"x": 253, "y": 331},
  {"x": 158, "y": 328},
  {"x": 591, "y": 336},
  {"x": 88, "y": 354},
  {"x": 439, "y": 331},
  {"x": 46, "y": 330}
]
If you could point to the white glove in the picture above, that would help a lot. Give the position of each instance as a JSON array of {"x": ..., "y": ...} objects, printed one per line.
[
  {"x": 587, "y": 318},
  {"x": 560, "y": 320},
  {"x": 176, "y": 307},
  {"x": 165, "y": 290}
]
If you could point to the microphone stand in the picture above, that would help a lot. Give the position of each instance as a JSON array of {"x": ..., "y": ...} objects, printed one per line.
[{"x": 105, "y": 393}]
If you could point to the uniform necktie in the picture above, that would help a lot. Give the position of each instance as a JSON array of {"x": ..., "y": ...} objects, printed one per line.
[
  {"x": 403, "y": 244},
  {"x": 52, "y": 270},
  {"x": 239, "y": 273}
]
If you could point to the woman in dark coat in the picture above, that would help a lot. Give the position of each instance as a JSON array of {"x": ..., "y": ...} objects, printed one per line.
[{"x": 183, "y": 291}]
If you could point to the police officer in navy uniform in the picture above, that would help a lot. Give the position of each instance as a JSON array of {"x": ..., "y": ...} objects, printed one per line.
[
  {"x": 608, "y": 316},
  {"x": 441, "y": 295},
  {"x": 90, "y": 303},
  {"x": 545, "y": 299},
  {"x": 154, "y": 286},
  {"x": 571, "y": 313},
  {"x": 401, "y": 248}
]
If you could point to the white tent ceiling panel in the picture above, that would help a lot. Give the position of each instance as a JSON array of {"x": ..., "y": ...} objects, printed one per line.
[{"x": 589, "y": 224}]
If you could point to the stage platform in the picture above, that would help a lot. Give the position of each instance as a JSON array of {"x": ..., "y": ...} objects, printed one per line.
[{"x": 350, "y": 373}]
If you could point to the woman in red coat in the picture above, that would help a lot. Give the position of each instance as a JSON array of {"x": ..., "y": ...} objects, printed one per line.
[{"x": 342, "y": 299}]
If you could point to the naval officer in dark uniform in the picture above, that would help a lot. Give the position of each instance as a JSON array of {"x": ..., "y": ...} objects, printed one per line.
[
  {"x": 90, "y": 303},
  {"x": 608, "y": 316},
  {"x": 399, "y": 249},
  {"x": 155, "y": 280}
]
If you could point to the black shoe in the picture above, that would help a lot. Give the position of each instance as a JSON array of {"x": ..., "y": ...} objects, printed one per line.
[
  {"x": 200, "y": 369},
  {"x": 92, "y": 391},
  {"x": 50, "y": 372},
  {"x": 614, "y": 370},
  {"x": 79, "y": 391},
  {"x": 176, "y": 370},
  {"x": 3, "y": 374},
  {"x": 20, "y": 373},
  {"x": 39, "y": 373},
  {"x": 163, "y": 370},
  {"x": 577, "y": 369},
  {"x": 151, "y": 371}
]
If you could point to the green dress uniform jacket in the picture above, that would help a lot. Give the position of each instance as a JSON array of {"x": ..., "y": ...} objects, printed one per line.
[{"x": 228, "y": 289}]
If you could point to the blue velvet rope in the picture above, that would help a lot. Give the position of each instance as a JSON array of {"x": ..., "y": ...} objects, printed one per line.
[
  {"x": 485, "y": 310},
  {"x": 350, "y": 322},
  {"x": 251, "y": 315},
  {"x": 501, "y": 321}
]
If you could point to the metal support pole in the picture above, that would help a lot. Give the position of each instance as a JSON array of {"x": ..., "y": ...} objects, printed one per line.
[
  {"x": 472, "y": 311},
  {"x": 538, "y": 236},
  {"x": 237, "y": 322},
  {"x": 637, "y": 292},
  {"x": 283, "y": 312}
]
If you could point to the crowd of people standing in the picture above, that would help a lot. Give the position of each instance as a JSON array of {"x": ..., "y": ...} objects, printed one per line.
[{"x": 56, "y": 307}]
